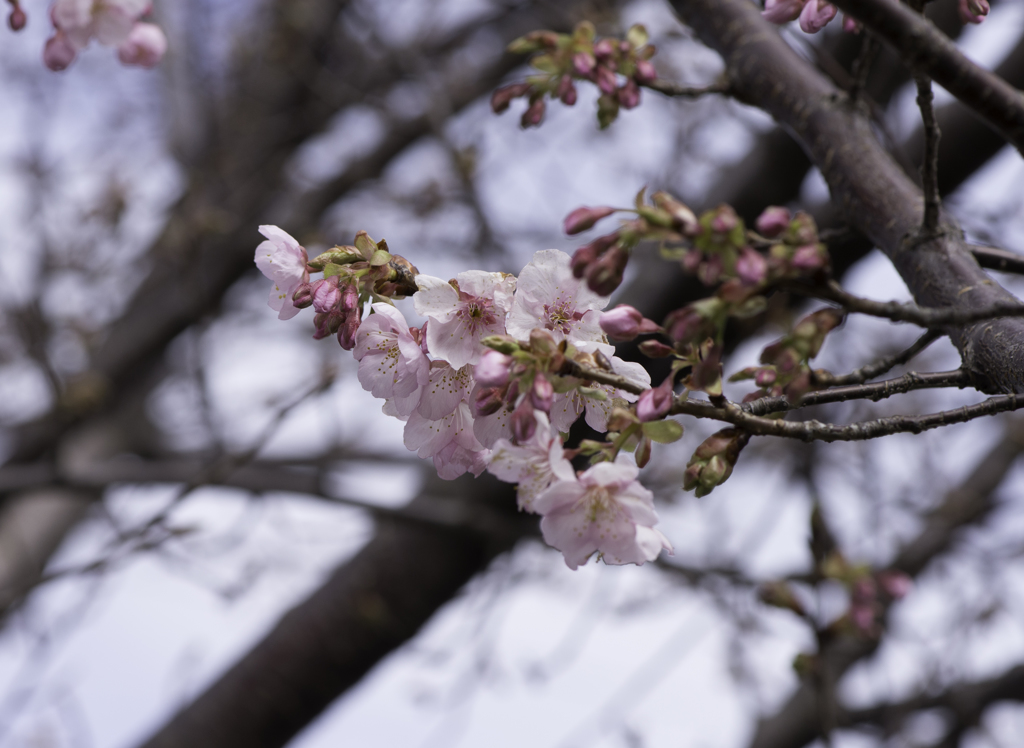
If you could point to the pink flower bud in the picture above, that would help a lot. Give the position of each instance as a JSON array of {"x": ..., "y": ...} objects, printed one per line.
[
  {"x": 606, "y": 80},
  {"x": 645, "y": 72},
  {"x": 850, "y": 24},
  {"x": 656, "y": 349},
  {"x": 584, "y": 218},
  {"x": 17, "y": 19},
  {"x": 709, "y": 271},
  {"x": 629, "y": 94},
  {"x": 567, "y": 90},
  {"x": 534, "y": 114},
  {"x": 605, "y": 275},
  {"x": 59, "y": 52},
  {"x": 765, "y": 377},
  {"x": 807, "y": 257},
  {"x": 303, "y": 296},
  {"x": 692, "y": 260},
  {"x": 145, "y": 46},
  {"x": 503, "y": 96},
  {"x": 542, "y": 394},
  {"x": 773, "y": 221},
  {"x": 621, "y": 323},
  {"x": 524, "y": 424},
  {"x": 973, "y": 11},
  {"x": 327, "y": 323},
  {"x": 487, "y": 400},
  {"x": 863, "y": 617},
  {"x": 347, "y": 331},
  {"x": 349, "y": 297},
  {"x": 655, "y": 403},
  {"x": 724, "y": 219},
  {"x": 493, "y": 369},
  {"x": 895, "y": 583},
  {"x": 751, "y": 267},
  {"x": 583, "y": 63},
  {"x": 816, "y": 15},
  {"x": 604, "y": 49},
  {"x": 326, "y": 294}
]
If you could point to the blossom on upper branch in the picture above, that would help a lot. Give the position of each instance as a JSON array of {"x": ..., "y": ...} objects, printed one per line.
[
  {"x": 605, "y": 510},
  {"x": 462, "y": 312},
  {"x": 283, "y": 260},
  {"x": 548, "y": 296},
  {"x": 111, "y": 23},
  {"x": 391, "y": 362}
]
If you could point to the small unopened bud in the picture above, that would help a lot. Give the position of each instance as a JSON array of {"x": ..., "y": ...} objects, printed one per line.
[
  {"x": 656, "y": 349},
  {"x": 655, "y": 403},
  {"x": 808, "y": 258},
  {"x": 347, "y": 331},
  {"x": 493, "y": 369},
  {"x": 542, "y": 342},
  {"x": 326, "y": 294},
  {"x": 583, "y": 63},
  {"x": 349, "y": 297},
  {"x": 895, "y": 583},
  {"x": 17, "y": 19},
  {"x": 327, "y": 323},
  {"x": 621, "y": 323},
  {"x": 487, "y": 400},
  {"x": 542, "y": 394},
  {"x": 584, "y": 218},
  {"x": 621, "y": 419},
  {"x": 850, "y": 24},
  {"x": 503, "y": 96},
  {"x": 59, "y": 52},
  {"x": 605, "y": 275},
  {"x": 709, "y": 271},
  {"x": 501, "y": 343},
  {"x": 765, "y": 377},
  {"x": 524, "y": 424},
  {"x": 684, "y": 219},
  {"x": 606, "y": 80},
  {"x": 604, "y": 49},
  {"x": 534, "y": 114},
  {"x": 773, "y": 221},
  {"x": 303, "y": 296},
  {"x": 645, "y": 72},
  {"x": 643, "y": 451},
  {"x": 567, "y": 90},
  {"x": 724, "y": 219},
  {"x": 145, "y": 46},
  {"x": 629, "y": 94},
  {"x": 973, "y": 11},
  {"x": 751, "y": 267}
]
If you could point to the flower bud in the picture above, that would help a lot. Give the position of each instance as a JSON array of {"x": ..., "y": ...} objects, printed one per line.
[
  {"x": 621, "y": 323},
  {"x": 604, "y": 49},
  {"x": 326, "y": 294},
  {"x": 17, "y": 19},
  {"x": 808, "y": 258},
  {"x": 655, "y": 403},
  {"x": 684, "y": 219},
  {"x": 347, "y": 331},
  {"x": 751, "y": 267},
  {"x": 773, "y": 221},
  {"x": 59, "y": 52},
  {"x": 349, "y": 297},
  {"x": 534, "y": 114},
  {"x": 543, "y": 394},
  {"x": 709, "y": 271},
  {"x": 606, "y": 80},
  {"x": 492, "y": 371},
  {"x": 327, "y": 323},
  {"x": 583, "y": 63},
  {"x": 656, "y": 349},
  {"x": 713, "y": 461},
  {"x": 542, "y": 342},
  {"x": 303, "y": 296},
  {"x": 850, "y": 24},
  {"x": 724, "y": 219},
  {"x": 605, "y": 275},
  {"x": 503, "y": 96},
  {"x": 501, "y": 343},
  {"x": 567, "y": 90},
  {"x": 629, "y": 94},
  {"x": 765, "y": 377},
  {"x": 487, "y": 400},
  {"x": 145, "y": 46},
  {"x": 645, "y": 72},
  {"x": 895, "y": 583},
  {"x": 584, "y": 218},
  {"x": 524, "y": 424},
  {"x": 973, "y": 11},
  {"x": 643, "y": 451}
]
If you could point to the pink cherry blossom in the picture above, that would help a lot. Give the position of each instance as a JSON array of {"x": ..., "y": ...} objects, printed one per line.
[
  {"x": 449, "y": 441},
  {"x": 493, "y": 369},
  {"x": 491, "y": 428},
  {"x": 782, "y": 11},
  {"x": 283, "y": 260},
  {"x": 816, "y": 15},
  {"x": 109, "y": 21},
  {"x": 568, "y": 406},
  {"x": 145, "y": 46},
  {"x": 447, "y": 387},
  {"x": 605, "y": 510},
  {"x": 533, "y": 464},
  {"x": 548, "y": 296},
  {"x": 463, "y": 314},
  {"x": 391, "y": 364}
]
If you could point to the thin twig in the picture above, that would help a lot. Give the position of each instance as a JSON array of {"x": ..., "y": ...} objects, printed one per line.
[
  {"x": 874, "y": 392},
  {"x": 930, "y": 167},
  {"x": 877, "y": 368},
  {"x": 904, "y": 312},
  {"x": 862, "y": 65},
  {"x": 721, "y": 86},
  {"x": 998, "y": 259}
]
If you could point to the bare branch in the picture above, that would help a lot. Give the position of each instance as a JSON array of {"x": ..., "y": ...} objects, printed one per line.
[
  {"x": 721, "y": 86},
  {"x": 878, "y": 368}
]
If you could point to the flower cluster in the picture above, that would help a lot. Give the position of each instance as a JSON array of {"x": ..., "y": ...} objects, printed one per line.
[
  {"x": 113, "y": 23},
  {"x": 492, "y": 379},
  {"x": 617, "y": 67},
  {"x": 815, "y": 15}
]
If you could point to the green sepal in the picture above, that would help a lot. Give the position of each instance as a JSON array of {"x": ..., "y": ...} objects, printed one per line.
[
  {"x": 380, "y": 257},
  {"x": 663, "y": 432}
]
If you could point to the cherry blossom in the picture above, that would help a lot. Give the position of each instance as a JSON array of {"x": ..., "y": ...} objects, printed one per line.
[
  {"x": 283, "y": 260},
  {"x": 391, "y": 363},
  {"x": 533, "y": 464},
  {"x": 548, "y": 296},
  {"x": 110, "y": 22},
  {"x": 145, "y": 46},
  {"x": 605, "y": 510},
  {"x": 446, "y": 388},
  {"x": 449, "y": 441},
  {"x": 568, "y": 406},
  {"x": 463, "y": 312}
]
